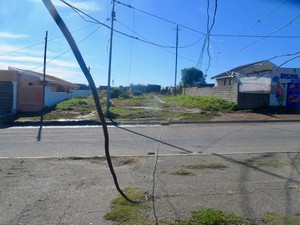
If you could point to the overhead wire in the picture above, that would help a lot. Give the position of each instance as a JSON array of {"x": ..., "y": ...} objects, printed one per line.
[
  {"x": 63, "y": 53},
  {"x": 161, "y": 18},
  {"x": 117, "y": 31},
  {"x": 279, "y": 29},
  {"x": 266, "y": 16},
  {"x": 203, "y": 33},
  {"x": 42, "y": 42}
]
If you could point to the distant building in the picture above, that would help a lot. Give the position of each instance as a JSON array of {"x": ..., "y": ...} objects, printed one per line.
[{"x": 146, "y": 88}]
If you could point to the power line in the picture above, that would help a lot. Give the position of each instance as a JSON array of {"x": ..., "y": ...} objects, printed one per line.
[
  {"x": 40, "y": 43},
  {"x": 159, "y": 17},
  {"x": 117, "y": 31},
  {"x": 200, "y": 32},
  {"x": 266, "y": 16},
  {"x": 298, "y": 56},
  {"x": 58, "y": 56},
  {"x": 284, "y": 26}
]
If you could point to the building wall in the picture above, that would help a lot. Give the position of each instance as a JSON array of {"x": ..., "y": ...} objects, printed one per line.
[
  {"x": 229, "y": 93},
  {"x": 30, "y": 94},
  {"x": 7, "y": 75}
]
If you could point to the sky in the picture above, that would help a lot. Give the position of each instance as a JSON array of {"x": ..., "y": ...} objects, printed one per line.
[{"x": 144, "y": 44}]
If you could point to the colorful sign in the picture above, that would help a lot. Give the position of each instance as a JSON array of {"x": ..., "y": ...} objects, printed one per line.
[
  {"x": 293, "y": 90},
  {"x": 285, "y": 90}
]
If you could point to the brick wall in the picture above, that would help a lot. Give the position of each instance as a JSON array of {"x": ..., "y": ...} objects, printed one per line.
[
  {"x": 244, "y": 100},
  {"x": 229, "y": 93}
]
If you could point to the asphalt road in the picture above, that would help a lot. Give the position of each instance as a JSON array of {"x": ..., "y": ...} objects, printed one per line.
[{"x": 145, "y": 140}]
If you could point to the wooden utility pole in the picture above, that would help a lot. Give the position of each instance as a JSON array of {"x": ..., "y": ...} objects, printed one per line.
[
  {"x": 176, "y": 60},
  {"x": 44, "y": 69},
  {"x": 113, "y": 15}
]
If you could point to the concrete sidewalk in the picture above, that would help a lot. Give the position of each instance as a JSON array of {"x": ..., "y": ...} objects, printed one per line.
[{"x": 79, "y": 191}]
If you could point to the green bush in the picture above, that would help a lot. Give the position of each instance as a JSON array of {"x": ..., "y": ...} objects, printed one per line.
[{"x": 137, "y": 93}]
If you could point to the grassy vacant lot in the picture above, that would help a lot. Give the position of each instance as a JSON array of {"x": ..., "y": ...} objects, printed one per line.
[{"x": 142, "y": 108}]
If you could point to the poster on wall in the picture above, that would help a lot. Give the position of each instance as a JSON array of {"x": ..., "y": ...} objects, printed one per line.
[
  {"x": 278, "y": 92},
  {"x": 292, "y": 99},
  {"x": 285, "y": 90}
]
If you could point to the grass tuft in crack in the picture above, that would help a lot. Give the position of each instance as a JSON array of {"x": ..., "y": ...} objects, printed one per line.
[{"x": 126, "y": 213}]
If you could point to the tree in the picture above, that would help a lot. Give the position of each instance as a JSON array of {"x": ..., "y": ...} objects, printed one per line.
[{"x": 192, "y": 77}]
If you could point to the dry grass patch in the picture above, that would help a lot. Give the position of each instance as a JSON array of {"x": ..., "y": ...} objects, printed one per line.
[{"x": 207, "y": 166}]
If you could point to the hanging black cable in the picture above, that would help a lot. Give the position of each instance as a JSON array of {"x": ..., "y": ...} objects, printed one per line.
[{"x": 60, "y": 23}]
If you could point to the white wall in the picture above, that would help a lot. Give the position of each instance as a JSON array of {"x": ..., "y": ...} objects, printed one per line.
[
  {"x": 52, "y": 98},
  {"x": 255, "y": 83}
]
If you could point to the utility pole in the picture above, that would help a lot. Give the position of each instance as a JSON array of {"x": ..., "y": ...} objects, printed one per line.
[
  {"x": 113, "y": 15},
  {"x": 44, "y": 69},
  {"x": 176, "y": 60}
]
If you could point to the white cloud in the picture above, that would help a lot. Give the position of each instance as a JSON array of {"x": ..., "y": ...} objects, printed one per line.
[
  {"x": 82, "y": 5},
  {"x": 11, "y": 35}
]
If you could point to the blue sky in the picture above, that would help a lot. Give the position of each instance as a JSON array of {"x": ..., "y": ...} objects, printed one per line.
[{"x": 24, "y": 24}]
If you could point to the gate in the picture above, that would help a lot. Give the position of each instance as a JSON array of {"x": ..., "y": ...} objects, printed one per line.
[{"x": 6, "y": 97}]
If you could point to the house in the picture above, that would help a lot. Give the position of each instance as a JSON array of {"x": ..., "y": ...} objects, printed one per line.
[
  {"x": 22, "y": 91},
  {"x": 282, "y": 85},
  {"x": 255, "y": 85}
]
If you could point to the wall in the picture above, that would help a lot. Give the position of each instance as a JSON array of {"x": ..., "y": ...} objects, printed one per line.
[
  {"x": 30, "y": 94},
  {"x": 52, "y": 98},
  {"x": 244, "y": 100},
  {"x": 6, "y": 75},
  {"x": 229, "y": 93}
]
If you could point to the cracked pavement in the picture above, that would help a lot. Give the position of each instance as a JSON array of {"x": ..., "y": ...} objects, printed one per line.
[{"x": 57, "y": 191}]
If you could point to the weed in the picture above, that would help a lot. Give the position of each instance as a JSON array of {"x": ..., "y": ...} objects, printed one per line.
[
  {"x": 207, "y": 166},
  {"x": 277, "y": 219},
  {"x": 275, "y": 163},
  {"x": 183, "y": 173},
  {"x": 126, "y": 213},
  {"x": 209, "y": 216}
]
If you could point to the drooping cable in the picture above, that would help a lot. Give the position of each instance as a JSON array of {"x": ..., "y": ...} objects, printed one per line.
[
  {"x": 60, "y": 23},
  {"x": 117, "y": 31},
  {"x": 209, "y": 29}
]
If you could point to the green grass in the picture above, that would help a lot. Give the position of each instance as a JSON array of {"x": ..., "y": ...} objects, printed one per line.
[
  {"x": 277, "y": 219},
  {"x": 209, "y": 216},
  {"x": 202, "y": 102},
  {"x": 143, "y": 108},
  {"x": 207, "y": 166},
  {"x": 79, "y": 103},
  {"x": 126, "y": 213}
]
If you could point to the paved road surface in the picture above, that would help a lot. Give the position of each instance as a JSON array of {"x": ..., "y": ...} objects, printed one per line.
[{"x": 142, "y": 140}]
